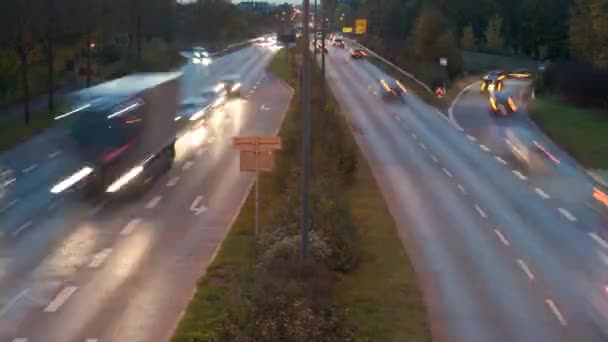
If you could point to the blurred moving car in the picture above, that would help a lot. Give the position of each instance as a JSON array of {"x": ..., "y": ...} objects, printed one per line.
[
  {"x": 501, "y": 104},
  {"x": 493, "y": 81},
  {"x": 200, "y": 56},
  {"x": 232, "y": 85},
  {"x": 520, "y": 74},
  {"x": 339, "y": 41},
  {"x": 393, "y": 90},
  {"x": 357, "y": 53},
  {"x": 321, "y": 47}
]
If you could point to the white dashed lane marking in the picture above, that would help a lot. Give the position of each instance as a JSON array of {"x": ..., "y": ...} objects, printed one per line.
[
  {"x": 502, "y": 238},
  {"x": 567, "y": 214},
  {"x": 502, "y": 161},
  {"x": 480, "y": 211},
  {"x": 447, "y": 172},
  {"x": 519, "y": 175},
  {"x": 153, "y": 202},
  {"x": 472, "y": 138},
  {"x": 462, "y": 189},
  {"x": 598, "y": 239},
  {"x": 423, "y": 146},
  {"x": 434, "y": 158},
  {"x": 541, "y": 193},
  {"x": 485, "y": 148},
  {"x": 22, "y": 228},
  {"x": 172, "y": 182},
  {"x": 128, "y": 229},
  {"x": 187, "y": 165},
  {"x": 60, "y": 299},
  {"x": 100, "y": 258},
  {"x": 526, "y": 269},
  {"x": 54, "y": 154},
  {"x": 30, "y": 168},
  {"x": 556, "y": 312},
  {"x": 19, "y": 339}
]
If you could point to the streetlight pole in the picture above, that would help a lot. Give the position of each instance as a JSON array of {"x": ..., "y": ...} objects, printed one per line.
[
  {"x": 323, "y": 55},
  {"x": 305, "y": 131},
  {"x": 316, "y": 25}
]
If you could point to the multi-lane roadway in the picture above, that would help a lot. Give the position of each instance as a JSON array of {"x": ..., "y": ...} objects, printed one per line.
[
  {"x": 76, "y": 270},
  {"x": 506, "y": 249}
]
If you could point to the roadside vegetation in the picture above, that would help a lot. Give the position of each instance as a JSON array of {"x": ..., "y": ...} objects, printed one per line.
[{"x": 257, "y": 289}]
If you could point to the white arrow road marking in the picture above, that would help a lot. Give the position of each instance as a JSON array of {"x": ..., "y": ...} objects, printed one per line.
[
  {"x": 196, "y": 208},
  {"x": 60, "y": 299},
  {"x": 172, "y": 182}
]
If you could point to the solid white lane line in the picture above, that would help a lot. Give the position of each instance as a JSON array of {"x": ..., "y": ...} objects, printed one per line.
[
  {"x": 541, "y": 193},
  {"x": 128, "y": 229},
  {"x": 556, "y": 312},
  {"x": 30, "y": 168},
  {"x": 602, "y": 256},
  {"x": 22, "y": 228},
  {"x": 472, "y": 138},
  {"x": 153, "y": 202},
  {"x": 100, "y": 258},
  {"x": 567, "y": 214},
  {"x": 484, "y": 147},
  {"x": 519, "y": 175},
  {"x": 172, "y": 182},
  {"x": 60, "y": 299},
  {"x": 502, "y": 238},
  {"x": 54, "y": 154},
  {"x": 481, "y": 212},
  {"x": 9, "y": 182},
  {"x": 187, "y": 165},
  {"x": 526, "y": 269},
  {"x": 502, "y": 161},
  {"x": 462, "y": 189},
  {"x": 447, "y": 173},
  {"x": 434, "y": 158},
  {"x": 13, "y": 301},
  {"x": 598, "y": 239}
]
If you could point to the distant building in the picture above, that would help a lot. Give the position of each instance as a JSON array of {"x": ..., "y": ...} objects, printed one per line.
[{"x": 256, "y": 6}]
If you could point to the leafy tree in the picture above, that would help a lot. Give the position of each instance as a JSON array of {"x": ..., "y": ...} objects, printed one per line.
[
  {"x": 467, "y": 41},
  {"x": 493, "y": 34},
  {"x": 426, "y": 32},
  {"x": 588, "y": 34}
]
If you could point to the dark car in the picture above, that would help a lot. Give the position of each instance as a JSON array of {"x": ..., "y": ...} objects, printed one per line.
[
  {"x": 232, "y": 85},
  {"x": 339, "y": 42},
  {"x": 502, "y": 104},
  {"x": 392, "y": 90},
  {"x": 358, "y": 53},
  {"x": 493, "y": 81}
]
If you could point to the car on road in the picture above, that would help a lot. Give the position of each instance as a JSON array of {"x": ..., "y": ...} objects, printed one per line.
[
  {"x": 200, "y": 55},
  {"x": 320, "y": 47},
  {"x": 393, "y": 90},
  {"x": 358, "y": 53},
  {"x": 232, "y": 85},
  {"x": 520, "y": 74},
  {"x": 501, "y": 104},
  {"x": 493, "y": 81},
  {"x": 339, "y": 42}
]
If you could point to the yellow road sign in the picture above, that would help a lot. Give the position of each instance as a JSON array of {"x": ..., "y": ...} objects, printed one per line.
[
  {"x": 361, "y": 26},
  {"x": 347, "y": 29}
]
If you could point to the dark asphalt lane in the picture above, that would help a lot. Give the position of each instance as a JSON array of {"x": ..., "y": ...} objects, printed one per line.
[
  {"x": 497, "y": 261},
  {"x": 125, "y": 272}
]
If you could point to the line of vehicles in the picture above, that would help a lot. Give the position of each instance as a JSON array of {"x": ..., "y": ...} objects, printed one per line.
[{"x": 124, "y": 131}]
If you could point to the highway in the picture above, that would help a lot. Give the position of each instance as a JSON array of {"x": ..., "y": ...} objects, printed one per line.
[
  {"x": 506, "y": 250},
  {"x": 76, "y": 270}
]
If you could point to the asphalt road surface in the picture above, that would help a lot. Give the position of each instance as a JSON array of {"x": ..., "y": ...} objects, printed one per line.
[
  {"x": 72, "y": 270},
  {"x": 501, "y": 255}
]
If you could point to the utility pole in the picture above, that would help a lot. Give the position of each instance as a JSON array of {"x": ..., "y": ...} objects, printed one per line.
[
  {"x": 305, "y": 131},
  {"x": 323, "y": 33}
]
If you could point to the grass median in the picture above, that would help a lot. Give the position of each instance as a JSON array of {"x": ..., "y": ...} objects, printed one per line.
[
  {"x": 359, "y": 289},
  {"x": 581, "y": 132}
]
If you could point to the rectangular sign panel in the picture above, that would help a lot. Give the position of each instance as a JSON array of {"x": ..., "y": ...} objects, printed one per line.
[
  {"x": 347, "y": 29},
  {"x": 361, "y": 26}
]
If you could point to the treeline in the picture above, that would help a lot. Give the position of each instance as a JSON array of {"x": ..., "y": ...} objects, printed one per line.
[
  {"x": 84, "y": 35},
  {"x": 541, "y": 29}
]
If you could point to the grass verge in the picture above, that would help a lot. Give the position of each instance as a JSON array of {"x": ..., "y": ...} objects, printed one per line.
[
  {"x": 384, "y": 267},
  {"x": 13, "y": 133},
  {"x": 579, "y": 131}
]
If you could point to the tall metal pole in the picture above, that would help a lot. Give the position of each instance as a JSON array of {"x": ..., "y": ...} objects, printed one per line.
[
  {"x": 323, "y": 55},
  {"x": 257, "y": 188},
  {"x": 316, "y": 25},
  {"x": 305, "y": 130}
]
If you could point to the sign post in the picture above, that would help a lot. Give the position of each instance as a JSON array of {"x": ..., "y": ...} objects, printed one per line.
[
  {"x": 360, "y": 26},
  {"x": 443, "y": 61},
  {"x": 257, "y": 154}
]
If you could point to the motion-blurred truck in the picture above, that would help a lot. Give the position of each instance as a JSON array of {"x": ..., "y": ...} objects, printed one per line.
[{"x": 122, "y": 132}]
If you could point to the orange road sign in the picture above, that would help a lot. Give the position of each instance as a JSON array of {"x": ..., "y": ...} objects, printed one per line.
[{"x": 360, "y": 26}]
